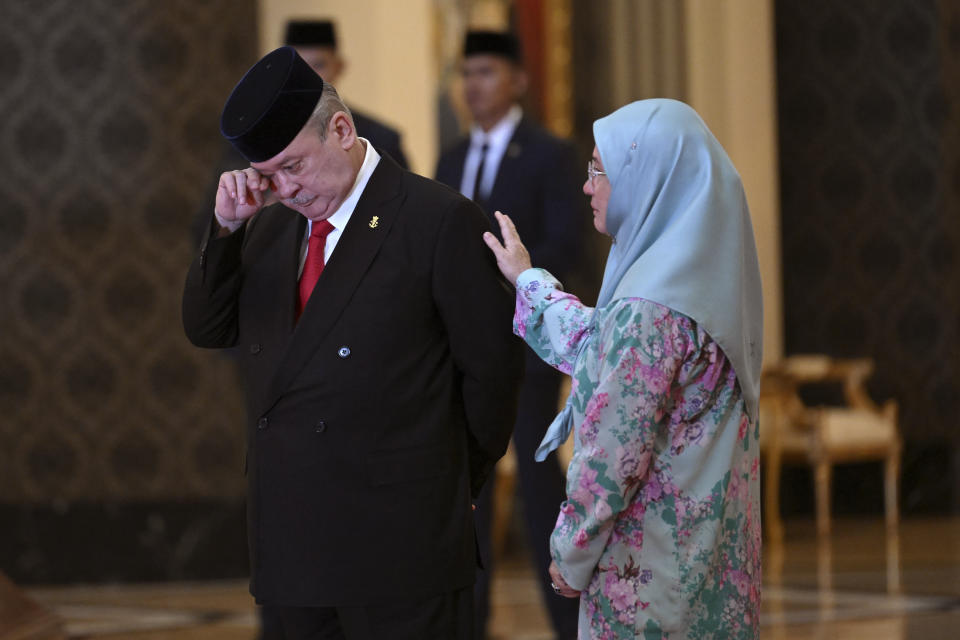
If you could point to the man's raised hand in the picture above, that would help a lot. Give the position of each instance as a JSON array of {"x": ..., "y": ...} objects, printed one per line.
[{"x": 240, "y": 195}]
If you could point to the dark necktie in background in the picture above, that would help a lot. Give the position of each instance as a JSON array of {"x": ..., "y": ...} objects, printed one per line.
[
  {"x": 313, "y": 266},
  {"x": 478, "y": 197}
]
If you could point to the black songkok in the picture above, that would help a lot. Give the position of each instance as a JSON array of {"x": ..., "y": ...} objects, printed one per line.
[
  {"x": 311, "y": 33},
  {"x": 492, "y": 42},
  {"x": 270, "y": 104}
]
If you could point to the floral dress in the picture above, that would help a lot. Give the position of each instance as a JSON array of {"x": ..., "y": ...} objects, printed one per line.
[{"x": 661, "y": 527}]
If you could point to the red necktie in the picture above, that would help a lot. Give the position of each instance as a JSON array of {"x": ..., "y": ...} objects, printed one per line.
[{"x": 313, "y": 266}]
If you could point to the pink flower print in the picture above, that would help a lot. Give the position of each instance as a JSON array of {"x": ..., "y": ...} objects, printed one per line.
[
  {"x": 679, "y": 342},
  {"x": 740, "y": 580},
  {"x": 670, "y": 489},
  {"x": 627, "y": 465},
  {"x": 582, "y": 496},
  {"x": 595, "y": 405},
  {"x": 736, "y": 489},
  {"x": 609, "y": 573},
  {"x": 691, "y": 433},
  {"x": 571, "y": 301},
  {"x": 653, "y": 489},
  {"x": 711, "y": 377},
  {"x": 656, "y": 350},
  {"x": 521, "y": 317},
  {"x": 567, "y": 509},
  {"x": 634, "y": 369},
  {"x": 602, "y": 511},
  {"x": 588, "y": 481},
  {"x": 591, "y": 607},
  {"x": 587, "y": 488},
  {"x": 621, "y": 595},
  {"x": 656, "y": 379},
  {"x": 742, "y": 431},
  {"x": 681, "y": 508},
  {"x": 588, "y": 432},
  {"x": 580, "y": 539}
]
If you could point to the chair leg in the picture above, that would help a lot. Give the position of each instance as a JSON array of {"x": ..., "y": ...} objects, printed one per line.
[
  {"x": 771, "y": 498},
  {"x": 821, "y": 473},
  {"x": 502, "y": 504},
  {"x": 891, "y": 495}
]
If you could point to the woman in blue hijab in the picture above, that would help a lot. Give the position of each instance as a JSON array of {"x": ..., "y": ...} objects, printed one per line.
[{"x": 660, "y": 534}]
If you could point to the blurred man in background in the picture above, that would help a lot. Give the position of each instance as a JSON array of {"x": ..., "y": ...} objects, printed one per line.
[
  {"x": 316, "y": 42},
  {"x": 508, "y": 163}
]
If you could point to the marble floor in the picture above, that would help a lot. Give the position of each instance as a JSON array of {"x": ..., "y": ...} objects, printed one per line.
[{"x": 861, "y": 584}]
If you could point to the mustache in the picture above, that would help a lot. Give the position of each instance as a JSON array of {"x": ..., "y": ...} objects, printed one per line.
[{"x": 299, "y": 200}]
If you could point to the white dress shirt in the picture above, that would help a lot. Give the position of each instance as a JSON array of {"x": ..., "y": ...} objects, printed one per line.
[
  {"x": 497, "y": 139},
  {"x": 341, "y": 216}
]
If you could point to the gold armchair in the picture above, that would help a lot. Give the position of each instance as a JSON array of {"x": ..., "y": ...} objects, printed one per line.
[{"x": 825, "y": 436}]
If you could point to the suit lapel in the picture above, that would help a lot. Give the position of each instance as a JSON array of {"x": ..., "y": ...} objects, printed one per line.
[
  {"x": 281, "y": 236},
  {"x": 511, "y": 165},
  {"x": 358, "y": 245},
  {"x": 290, "y": 273}
]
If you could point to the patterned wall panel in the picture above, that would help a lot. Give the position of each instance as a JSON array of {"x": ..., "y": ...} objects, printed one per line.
[
  {"x": 869, "y": 203},
  {"x": 109, "y": 113}
]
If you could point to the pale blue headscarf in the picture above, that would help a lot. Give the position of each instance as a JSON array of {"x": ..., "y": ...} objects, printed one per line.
[{"x": 682, "y": 234}]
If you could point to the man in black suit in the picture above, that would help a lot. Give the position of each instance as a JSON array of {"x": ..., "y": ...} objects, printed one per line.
[
  {"x": 510, "y": 164},
  {"x": 378, "y": 359}
]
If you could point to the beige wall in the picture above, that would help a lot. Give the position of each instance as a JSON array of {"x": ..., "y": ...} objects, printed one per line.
[
  {"x": 730, "y": 82},
  {"x": 389, "y": 50}
]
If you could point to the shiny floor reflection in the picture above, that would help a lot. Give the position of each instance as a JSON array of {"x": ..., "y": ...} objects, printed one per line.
[{"x": 859, "y": 583}]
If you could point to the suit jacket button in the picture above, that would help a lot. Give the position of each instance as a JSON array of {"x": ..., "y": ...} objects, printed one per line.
[
  {"x": 321, "y": 426},
  {"x": 255, "y": 348},
  {"x": 262, "y": 423},
  {"x": 344, "y": 352}
]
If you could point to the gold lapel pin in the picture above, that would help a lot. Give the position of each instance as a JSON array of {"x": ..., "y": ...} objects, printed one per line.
[{"x": 374, "y": 221}]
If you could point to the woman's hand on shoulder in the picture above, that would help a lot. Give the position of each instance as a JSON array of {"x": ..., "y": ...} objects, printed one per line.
[{"x": 512, "y": 257}]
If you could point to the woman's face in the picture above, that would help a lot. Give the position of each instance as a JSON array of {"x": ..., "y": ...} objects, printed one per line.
[{"x": 598, "y": 188}]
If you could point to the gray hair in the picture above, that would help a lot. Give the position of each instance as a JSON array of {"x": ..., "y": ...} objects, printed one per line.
[{"x": 328, "y": 105}]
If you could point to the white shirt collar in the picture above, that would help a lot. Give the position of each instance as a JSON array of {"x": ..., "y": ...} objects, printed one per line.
[
  {"x": 500, "y": 134},
  {"x": 342, "y": 215},
  {"x": 497, "y": 141}
]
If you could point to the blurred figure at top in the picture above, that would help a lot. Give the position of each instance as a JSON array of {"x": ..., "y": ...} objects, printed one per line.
[{"x": 316, "y": 42}]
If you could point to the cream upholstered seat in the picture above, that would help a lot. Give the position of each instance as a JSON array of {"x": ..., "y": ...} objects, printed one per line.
[{"x": 825, "y": 436}]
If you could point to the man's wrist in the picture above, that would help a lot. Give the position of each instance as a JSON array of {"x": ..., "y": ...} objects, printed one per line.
[{"x": 226, "y": 227}]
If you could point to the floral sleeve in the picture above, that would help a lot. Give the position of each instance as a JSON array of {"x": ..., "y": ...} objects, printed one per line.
[
  {"x": 639, "y": 351},
  {"x": 551, "y": 321}
]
